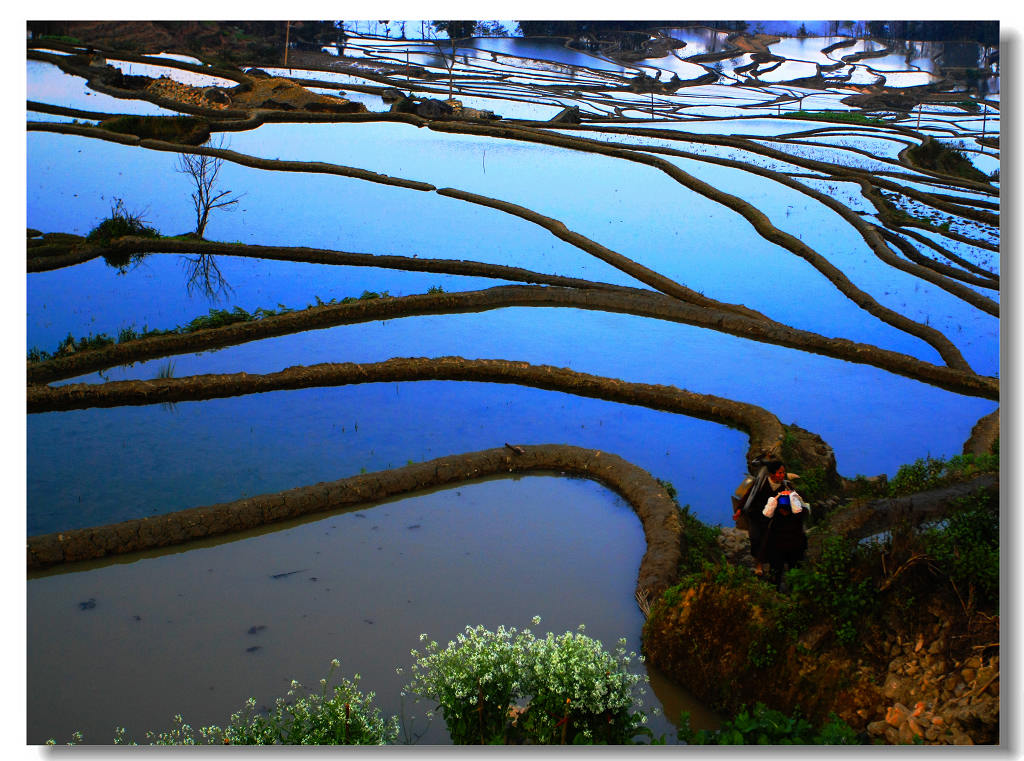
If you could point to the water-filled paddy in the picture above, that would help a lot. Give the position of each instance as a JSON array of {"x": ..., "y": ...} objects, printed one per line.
[
  {"x": 196, "y": 631},
  {"x": 362, "y": 585}
]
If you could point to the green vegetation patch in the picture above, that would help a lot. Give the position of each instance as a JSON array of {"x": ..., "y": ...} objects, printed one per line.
[
  {"x": 764, "y": 726},
  {"x": 937, "y": 156},
  {"x": 836, "y": 588},
  {"x": 121, "y": 222},
  {"x": 216, "y": 318},
  {"x": 699, "y": 541},
  {"x": 933, "y": 473},
  {"x": 841, "y": 117},
  {"x": 965, "y": 546}
]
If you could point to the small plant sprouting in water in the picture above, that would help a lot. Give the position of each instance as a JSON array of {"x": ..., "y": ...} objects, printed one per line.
[{"x": 166, "y": 371}]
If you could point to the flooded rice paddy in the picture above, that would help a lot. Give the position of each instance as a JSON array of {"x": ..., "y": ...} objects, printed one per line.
[{"x": 703, "y": 189}]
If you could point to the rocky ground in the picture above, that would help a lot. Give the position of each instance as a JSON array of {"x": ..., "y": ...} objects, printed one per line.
[{"x": 926, "y": 695}]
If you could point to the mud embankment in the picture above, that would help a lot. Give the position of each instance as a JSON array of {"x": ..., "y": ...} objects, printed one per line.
[
  {"x": 611, "y": 299},
  {"x": 656, "y": 510},
  {"x": 762, "y": 426}
]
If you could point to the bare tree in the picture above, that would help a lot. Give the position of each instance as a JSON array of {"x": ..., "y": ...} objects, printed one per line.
[
  {"x": 456, "y": 30},
  {"x": 205, "y": 198}
]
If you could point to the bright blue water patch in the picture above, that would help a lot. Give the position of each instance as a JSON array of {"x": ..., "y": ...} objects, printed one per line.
[
  {"x": 307, "y": 209},
  {"x": 155, "y": 294},
  {"x": 639, "y": 350},
  {"x": 46, "y": 83}
]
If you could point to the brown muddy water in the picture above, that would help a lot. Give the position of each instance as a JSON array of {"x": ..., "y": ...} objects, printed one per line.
[{"x": 199, "y": 630}]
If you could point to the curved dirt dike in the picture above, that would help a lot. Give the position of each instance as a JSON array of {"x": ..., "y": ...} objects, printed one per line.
[
  {"x": 757, "y": 219},
  {"x": 764, "y": 428},
  {"x": 656, "y": 510},
  {"x": 229, "y": 155},
  {"x": 626, "y": 301}
]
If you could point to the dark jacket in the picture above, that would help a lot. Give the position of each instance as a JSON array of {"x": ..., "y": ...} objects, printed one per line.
[{"x": 760, "y": 492}]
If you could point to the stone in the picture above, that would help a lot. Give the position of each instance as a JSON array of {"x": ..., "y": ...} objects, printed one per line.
[
  {"x": 877, "y": 728},
  {"x": 905, "y": 734},
  {"x": 433, "y": 109},
  {"x": 961, "y": 738},
  {"x": 892, "y": 687},
  {"x": 897, "y": 715},
  {"x": 217, "y": 96}
]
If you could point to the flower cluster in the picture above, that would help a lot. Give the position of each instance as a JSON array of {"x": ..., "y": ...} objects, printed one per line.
[
  {"x": 574, "y": 689},
  {"x": 475, "y": 680},
  {"x": 345, "y": 716}
]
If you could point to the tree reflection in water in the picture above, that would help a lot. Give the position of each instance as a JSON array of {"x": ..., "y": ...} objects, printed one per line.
[{"x": 202, "y": 275}]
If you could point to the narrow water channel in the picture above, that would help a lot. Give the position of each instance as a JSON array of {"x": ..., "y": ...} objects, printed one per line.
[{"x": 198, "y": 630}]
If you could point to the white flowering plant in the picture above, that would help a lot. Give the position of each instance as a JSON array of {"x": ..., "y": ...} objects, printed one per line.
[
  {"x": 475, "y": 680},
  {"x": 574, "y": 691},
  {"x": 581, "y": 692},
  {"x": 345, "y": 716}
]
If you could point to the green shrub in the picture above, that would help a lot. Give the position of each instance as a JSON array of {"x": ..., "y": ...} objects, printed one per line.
[
  {"x": 581, "y": 692},
  {"x": 475, "y": 680},
  {"x": 833, "y": 587},
  {"x": 935, "y": 155},
  {"x": 932, "y": 473},
  {"x": 120, "y": 222},
  {"x": 765, "y": 726},
  {"x": 965, "y": 546},
  {"x": 700, "y": 543}
]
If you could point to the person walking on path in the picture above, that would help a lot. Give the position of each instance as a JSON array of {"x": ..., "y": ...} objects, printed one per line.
[
  {"x": 769, "y": 482},
  {"x": 783, "y": 543}
]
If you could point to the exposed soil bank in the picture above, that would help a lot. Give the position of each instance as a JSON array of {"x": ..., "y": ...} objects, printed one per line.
[
  {"x": 924, "y": 668},
  {"x": 764, "y": 428},
  {"x": 593, "y": 297},
  {"x": 983, "y": 435},
  {"x": 656, "y": 510}
]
